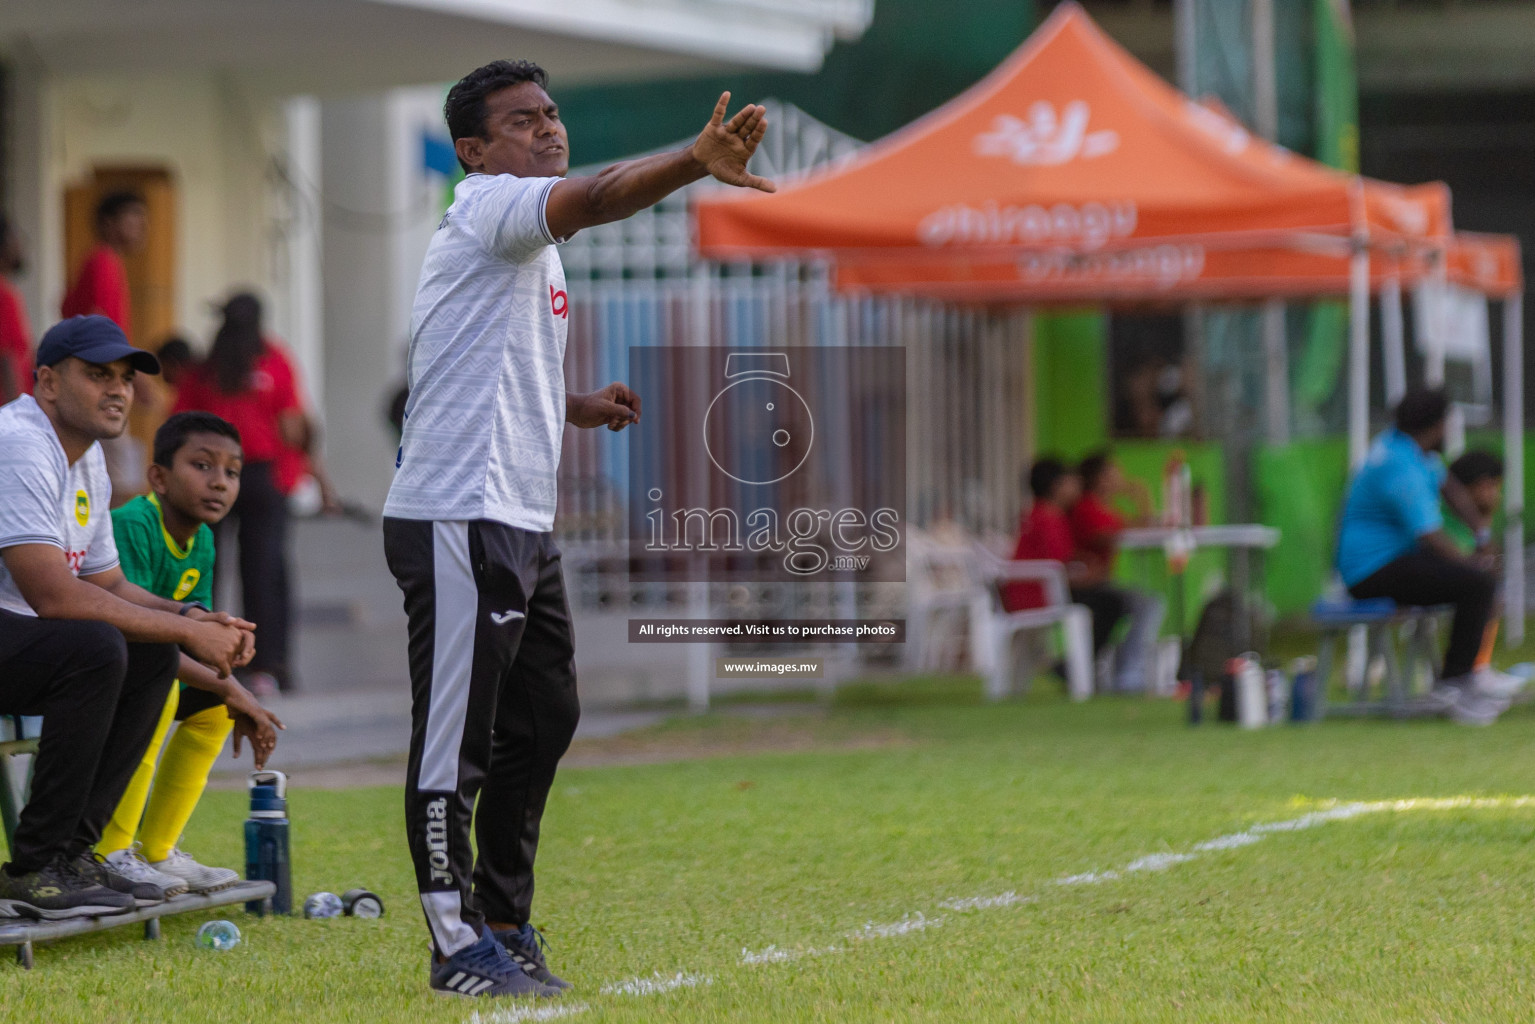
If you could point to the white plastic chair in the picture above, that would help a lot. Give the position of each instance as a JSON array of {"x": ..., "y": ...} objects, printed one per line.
[
  {"x": 992, "y": 627},
  {"x": 939, "y": 599}
]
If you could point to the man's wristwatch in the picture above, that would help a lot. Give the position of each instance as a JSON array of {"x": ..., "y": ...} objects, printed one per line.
[{"x": 186, "y": 608}]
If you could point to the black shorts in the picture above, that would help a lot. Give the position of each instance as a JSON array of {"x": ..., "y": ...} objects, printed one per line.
[{"x": 193, "y": 700}]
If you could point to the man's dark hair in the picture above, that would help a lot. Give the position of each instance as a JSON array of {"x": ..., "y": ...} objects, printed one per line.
[
  {"x": 1092, "y": 467},
  {"x": 465, "y": 106},
  {"x": 237, "y": 345},
  {"x": 114, "y": 203},
  {"x": 173, "y": 433},
  {"x": 176, "y": 350},
  {"x": 1475, "y": 466},
  {"x": 1422, "y": 410},
  {"x": 1044, "y": 475}
]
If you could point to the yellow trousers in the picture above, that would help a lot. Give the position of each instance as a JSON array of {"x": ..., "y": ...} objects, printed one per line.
[{"x": 158, "y": 803}]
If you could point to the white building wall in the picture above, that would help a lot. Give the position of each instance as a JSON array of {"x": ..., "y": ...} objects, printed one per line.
[
  {"x": 32, "y": 204},
  {"x": 240, "y": 163},
  {"x": 380, "y": 209},
  {"x": 217, "y": 143}
]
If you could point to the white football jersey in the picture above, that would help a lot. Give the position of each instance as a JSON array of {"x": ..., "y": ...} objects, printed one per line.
[
  {"x": 486, "y": 413},
  {"x": 45, "y": 500}
]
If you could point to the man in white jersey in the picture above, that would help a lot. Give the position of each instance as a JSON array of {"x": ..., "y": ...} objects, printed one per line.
[
  {"x": 80, "y": 645},
  {"x": 469, "y": 519}
]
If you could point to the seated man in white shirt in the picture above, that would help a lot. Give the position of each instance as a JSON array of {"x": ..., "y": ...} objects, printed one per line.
[{"x": 91, "y": 653}]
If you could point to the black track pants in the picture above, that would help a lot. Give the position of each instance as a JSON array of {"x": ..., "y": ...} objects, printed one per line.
[
  {"x": 493, "y": 708},
  {"x": 100, "y": 698},
  {"x": 260, "y": 520},
  {"x": 1425, "y": 579}
]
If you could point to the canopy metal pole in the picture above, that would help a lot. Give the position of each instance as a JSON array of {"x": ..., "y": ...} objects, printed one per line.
[
  {"x": 1513, "y": 469},
  {"x": 1186, "y": 43},
  {"x": 1393, "y": 339},
  {"x": 1359, "y": 357},
  {"x": 1438, "y": 287},
  {"x": 1276, "y": 360}
]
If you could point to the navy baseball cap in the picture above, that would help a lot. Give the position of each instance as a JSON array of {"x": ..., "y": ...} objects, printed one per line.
[{"x": 95, "y": 339}]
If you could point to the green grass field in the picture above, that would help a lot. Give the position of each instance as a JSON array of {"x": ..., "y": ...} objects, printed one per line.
[{"x": 831, "y": 867}]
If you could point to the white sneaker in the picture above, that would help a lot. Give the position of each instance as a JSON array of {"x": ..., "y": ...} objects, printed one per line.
[
  {"x": 130, "y": 863},
  {"x": 1500, "y": 685},
  {"x": 1465, "y": 703},
  {"x": 199, "y": 879}
]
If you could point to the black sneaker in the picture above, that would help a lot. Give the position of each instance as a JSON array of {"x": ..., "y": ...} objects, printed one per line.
[
  {"x": 93, "y": 866},
  {"x": 526, "y": 947},
  {"x": 484, "y": 969},
  {"x": 56, "y": 892}
]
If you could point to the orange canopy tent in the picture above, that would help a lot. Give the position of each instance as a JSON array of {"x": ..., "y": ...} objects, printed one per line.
[
  {"x": 1073, "y": 173},
  {"x": 1067, "y": 172}
]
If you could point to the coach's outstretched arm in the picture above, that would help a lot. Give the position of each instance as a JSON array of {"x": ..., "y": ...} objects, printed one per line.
[{"x": 722, "y": 150}]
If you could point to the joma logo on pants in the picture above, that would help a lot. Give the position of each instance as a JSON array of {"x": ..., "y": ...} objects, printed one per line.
[{"x": 437, "y": 840}]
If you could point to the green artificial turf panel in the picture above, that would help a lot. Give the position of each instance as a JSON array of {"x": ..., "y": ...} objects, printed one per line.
[{"x": 648, "y": 871}]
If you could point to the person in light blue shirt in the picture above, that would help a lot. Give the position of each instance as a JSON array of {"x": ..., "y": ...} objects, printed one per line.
[{"x": 1392, "y": 544}]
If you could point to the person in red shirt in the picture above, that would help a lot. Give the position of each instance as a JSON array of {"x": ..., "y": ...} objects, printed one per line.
[
  {"x": 15, "y": 335},
  {"x": 101, "y": 286},
  {"x": 249, "y": 381},
  {"x": 1095, "y": 530},
  {"x": 1044, "y": 533}
]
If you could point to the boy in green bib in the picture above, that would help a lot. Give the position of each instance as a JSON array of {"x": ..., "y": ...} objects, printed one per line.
[{"x": 165, "y": 542}]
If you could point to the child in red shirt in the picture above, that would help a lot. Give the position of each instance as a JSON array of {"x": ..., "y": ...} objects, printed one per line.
[{"x": 1044, "y": 531}]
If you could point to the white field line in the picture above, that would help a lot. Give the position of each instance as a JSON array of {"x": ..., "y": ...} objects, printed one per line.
[
  {"x": 905, "y": 926},
  {"x": 1001, "y": 899},
  {"x": 1158, "y": 861},
  {"x": 776, "y": 955},
  {"x": 917, "y": 921},
  {"x": 520, "y": 1014},
  {"x": 656, "y": 984}
]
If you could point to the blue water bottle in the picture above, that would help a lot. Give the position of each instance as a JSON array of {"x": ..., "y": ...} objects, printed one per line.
[{"x": 266, "y": 839}]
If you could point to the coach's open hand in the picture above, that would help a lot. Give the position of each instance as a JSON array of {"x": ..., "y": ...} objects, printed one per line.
[
  {"x": 724, "y": 147},
  {"x": 614, "y": 407},
  {"x": 252, "y": 722}
]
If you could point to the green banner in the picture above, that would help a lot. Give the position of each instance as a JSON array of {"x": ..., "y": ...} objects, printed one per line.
[
  {"x": 1337, "y": 87},
  {"x": 1337, "y": 145}
]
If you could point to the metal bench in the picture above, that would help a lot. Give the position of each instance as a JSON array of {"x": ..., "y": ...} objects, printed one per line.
[
  {"x": 23, "y": 933},
  {"x": 14, "y": 785},
  {"x": 1403, "y": 639}
]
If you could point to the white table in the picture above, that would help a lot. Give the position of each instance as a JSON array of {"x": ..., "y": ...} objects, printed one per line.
[
  {"x": 1241, "y": 536},
  {"x": 1239, "y": 539}
]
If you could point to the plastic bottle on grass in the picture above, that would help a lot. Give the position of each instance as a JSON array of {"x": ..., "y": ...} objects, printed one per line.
[
  {"x": 218, "y": 935},
  {"x": 322, "y": 905}
]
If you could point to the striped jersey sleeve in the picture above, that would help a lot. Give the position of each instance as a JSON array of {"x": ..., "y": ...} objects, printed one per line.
[{"x": 31, "y": 482}]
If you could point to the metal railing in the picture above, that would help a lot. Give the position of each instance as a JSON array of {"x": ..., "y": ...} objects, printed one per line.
[{"x": 637, "y": 282}]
